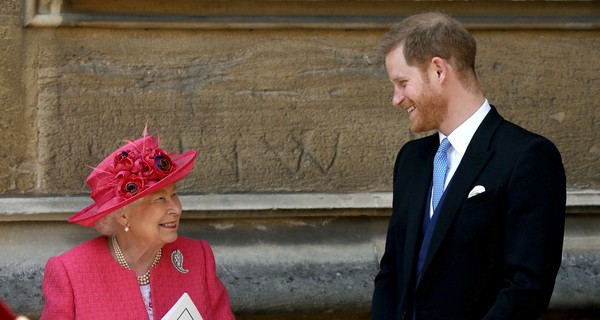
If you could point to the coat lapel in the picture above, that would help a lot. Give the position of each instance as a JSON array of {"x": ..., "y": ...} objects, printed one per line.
[
  {"x": 421, "y": 183},
  {"x": 476, "y": 157}
]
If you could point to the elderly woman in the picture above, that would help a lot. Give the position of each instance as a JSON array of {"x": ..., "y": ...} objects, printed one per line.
[{"x": 139, "y": 267}]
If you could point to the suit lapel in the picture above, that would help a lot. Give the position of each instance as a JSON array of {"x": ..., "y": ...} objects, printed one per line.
[
  {"x": 476, "y": 157},
  {"x": 423, "y": 172}
]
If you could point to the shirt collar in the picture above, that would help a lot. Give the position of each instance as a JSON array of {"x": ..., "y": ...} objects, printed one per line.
[{"x": 461, "y": 136}]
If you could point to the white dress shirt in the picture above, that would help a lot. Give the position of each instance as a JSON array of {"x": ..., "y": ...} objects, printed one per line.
[{"x": 460, "y": 139}]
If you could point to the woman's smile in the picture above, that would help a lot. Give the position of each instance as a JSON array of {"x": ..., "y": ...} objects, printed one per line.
[{"x": 169, "y": 225}]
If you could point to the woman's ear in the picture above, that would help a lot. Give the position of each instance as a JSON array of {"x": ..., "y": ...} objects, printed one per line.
[{"x": 121, "y": 218}]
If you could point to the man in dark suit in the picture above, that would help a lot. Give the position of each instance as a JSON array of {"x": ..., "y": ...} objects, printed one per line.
[{"x": 491, "y": 246}]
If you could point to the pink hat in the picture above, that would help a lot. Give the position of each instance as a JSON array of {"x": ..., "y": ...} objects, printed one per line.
[{"x": 133, "y": 171}]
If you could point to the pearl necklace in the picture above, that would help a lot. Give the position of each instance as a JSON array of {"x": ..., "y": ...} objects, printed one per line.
[{"x": 143, "y": 279}]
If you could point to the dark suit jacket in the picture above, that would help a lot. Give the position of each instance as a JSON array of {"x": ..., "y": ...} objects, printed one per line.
[{"x": 492, "y": 256}]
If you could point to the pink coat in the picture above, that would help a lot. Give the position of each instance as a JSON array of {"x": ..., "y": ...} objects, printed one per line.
[{"x": 87, "y": 283}]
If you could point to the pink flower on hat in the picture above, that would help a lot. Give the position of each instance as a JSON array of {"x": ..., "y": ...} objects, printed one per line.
[
  {"x": 135, "y": 172},
  {"x": 159, "y": 162},
  {"x": 124, "y": 161},
  {"x": 131, "y": 186}
]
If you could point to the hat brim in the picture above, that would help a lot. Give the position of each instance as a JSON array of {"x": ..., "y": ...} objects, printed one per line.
[{"x": 92, "y": 213}]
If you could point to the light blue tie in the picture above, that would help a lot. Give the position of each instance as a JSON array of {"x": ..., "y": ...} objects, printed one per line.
[{"x": 440, "y": 166}]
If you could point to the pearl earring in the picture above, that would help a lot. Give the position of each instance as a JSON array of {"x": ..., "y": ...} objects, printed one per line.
[{"x": 126, "y": 228}]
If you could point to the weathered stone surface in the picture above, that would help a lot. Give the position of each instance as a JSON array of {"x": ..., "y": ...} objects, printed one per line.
[
  {"x": 270, "y": 111},
  {"x": 277, "y": 112},
  {"x": 546, "y": 82},
  {"x": 578, "y": 283},
  {"x": 17, "y": 139},
  {"x": 283, "y": 111},
  {"x": 284, "y": 264}
]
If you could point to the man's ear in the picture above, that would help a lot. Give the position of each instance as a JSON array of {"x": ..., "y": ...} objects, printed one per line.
[{"x": 439, "y": 68}]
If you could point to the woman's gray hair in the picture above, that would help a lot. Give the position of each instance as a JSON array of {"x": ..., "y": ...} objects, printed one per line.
[{"x": 108, "y": 225}]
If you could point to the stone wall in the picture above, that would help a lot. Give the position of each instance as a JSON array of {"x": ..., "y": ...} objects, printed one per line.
[{"x": 287, "y": 106}]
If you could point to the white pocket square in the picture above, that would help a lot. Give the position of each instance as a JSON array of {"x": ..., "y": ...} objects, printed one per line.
[{"x": 476, "y": 190}]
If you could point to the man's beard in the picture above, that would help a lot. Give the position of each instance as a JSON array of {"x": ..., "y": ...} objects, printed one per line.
[{"x": 432, "y": 109}]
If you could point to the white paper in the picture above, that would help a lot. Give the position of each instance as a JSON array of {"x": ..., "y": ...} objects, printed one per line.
[{"x": 183, "y": 309}]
